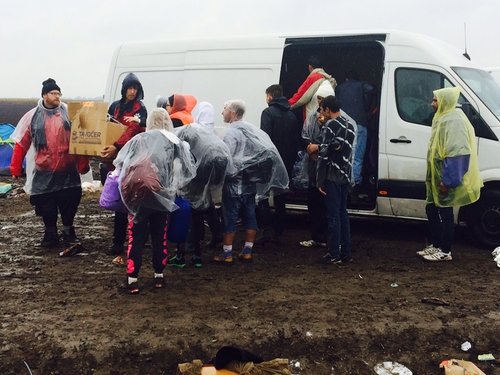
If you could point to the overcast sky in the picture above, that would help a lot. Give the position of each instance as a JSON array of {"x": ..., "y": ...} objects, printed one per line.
[{"x": 73, "y": 42}]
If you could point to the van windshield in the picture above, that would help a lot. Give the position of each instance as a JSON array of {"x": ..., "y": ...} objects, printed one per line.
[{"x": 484, "y": 86}]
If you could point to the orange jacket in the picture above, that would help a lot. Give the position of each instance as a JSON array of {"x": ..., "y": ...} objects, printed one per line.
[{"x": 182, "y": 107}]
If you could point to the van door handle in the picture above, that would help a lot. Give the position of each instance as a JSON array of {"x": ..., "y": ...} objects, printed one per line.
[{"x": 402, "y": 139}]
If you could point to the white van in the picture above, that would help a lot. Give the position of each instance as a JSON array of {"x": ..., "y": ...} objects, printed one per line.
[
  {"x": 405, "y": 68},
  {"x": 495, "y": 73}
]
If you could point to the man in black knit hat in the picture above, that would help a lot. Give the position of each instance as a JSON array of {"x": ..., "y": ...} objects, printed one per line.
[{"x": 54, "y": 184}]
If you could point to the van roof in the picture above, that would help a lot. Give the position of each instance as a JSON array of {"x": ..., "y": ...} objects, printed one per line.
[{"x": 400, "y": 45}]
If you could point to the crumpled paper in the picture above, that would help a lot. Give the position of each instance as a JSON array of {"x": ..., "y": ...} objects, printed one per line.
[{"x": 391, "y": 368}]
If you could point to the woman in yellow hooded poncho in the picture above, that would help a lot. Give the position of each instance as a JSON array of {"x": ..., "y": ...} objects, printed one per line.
[{"x": 453, "y": 178}]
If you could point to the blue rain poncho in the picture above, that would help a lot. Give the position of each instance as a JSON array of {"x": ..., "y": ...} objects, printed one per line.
[
  {"x": 452, "y": 152},
  {"x": 257, "y": 165},
  {"x": 153, "y": 167},
  {"x": 212, "y": 159}
]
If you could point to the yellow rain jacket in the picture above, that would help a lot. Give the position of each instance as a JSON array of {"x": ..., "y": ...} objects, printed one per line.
[{"x": 452, "y": 135}]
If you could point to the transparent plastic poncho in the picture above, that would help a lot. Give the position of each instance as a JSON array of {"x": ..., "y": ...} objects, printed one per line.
[
  {"x": 257, "y": 165},
  {"x": 212, "y": 159},
  {"x": 52, "y": 168},
  {"x": 452, "y": 135},
  {"x": 153, "y": 167}
]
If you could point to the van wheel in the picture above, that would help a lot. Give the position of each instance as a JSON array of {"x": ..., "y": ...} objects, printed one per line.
[{"x": 484, "y": 220}]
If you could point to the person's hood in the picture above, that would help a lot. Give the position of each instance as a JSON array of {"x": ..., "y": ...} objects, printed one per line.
[
  {"x": 325, "y": 89},
  {"x": 159, "y": 119},
  {"x": 447, "y": 99},
  {"x": 280, "y": 102},
  {"x": 132, "y": 80},
  {"x": 183, "y": 103},
  {"x": 204, "y": 114}
]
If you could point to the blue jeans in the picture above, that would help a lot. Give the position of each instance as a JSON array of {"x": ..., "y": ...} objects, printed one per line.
[
  {"x": 359, "y": 153},
  {"x": 339, "y": 232},
  {"x": 233, "y": 205}
]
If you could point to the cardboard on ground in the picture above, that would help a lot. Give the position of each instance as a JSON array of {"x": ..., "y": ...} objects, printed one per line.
[{"x": 90, "y": 132}]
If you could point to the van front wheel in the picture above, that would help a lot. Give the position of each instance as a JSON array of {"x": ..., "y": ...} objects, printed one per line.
[{"x": 484, "y": 219}]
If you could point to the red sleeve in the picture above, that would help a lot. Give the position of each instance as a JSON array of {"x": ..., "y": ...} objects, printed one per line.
[
  {"x": 132, "y": 129},
  {"x": 82, "y": 164},
  {"x": 16, "y": 163},
  {"x": 303, "y": 88}
]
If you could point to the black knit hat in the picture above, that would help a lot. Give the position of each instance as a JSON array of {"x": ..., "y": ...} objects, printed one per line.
[{"x": 48, "y": 85}]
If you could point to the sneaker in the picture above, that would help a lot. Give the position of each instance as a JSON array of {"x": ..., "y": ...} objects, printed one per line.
[
  {"x": 133, "y": 288},
  {"x": 196, "y": 262},
  {"x": 329, "y": 259},
  {"x": 428, "y": 250},
  {"x": 176, "y": 261},
  {"x": 224, "y": 258},
  {"x": 438, "y": 256},
  {"x": 246, "y": 255},
  {"x": 50, "y": 239},
  {"x": 312, "y": 243},
  {"x": 159, "y": 282}
]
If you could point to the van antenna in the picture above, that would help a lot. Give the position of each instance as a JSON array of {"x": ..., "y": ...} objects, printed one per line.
[{"x": 466, "y": 55}]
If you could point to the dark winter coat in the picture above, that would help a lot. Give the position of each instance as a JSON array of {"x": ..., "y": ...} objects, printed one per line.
[
  {"x": 121, "y": 108},
  {"x": 356, "y": 97},
  {"x": 279, "y": 122}
]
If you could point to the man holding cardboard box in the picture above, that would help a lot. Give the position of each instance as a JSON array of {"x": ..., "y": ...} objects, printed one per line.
[
  {"x": 54, "y": 184},
  {"x": 131, "y": 112}
]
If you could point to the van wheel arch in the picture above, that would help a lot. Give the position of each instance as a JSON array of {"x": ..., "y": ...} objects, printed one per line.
[{"x": 483, "y": 218}]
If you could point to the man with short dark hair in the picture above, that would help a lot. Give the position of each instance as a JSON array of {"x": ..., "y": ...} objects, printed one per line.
[
  {"x": 334, "y": 178},
  {"x": 55, "y": 181},
  {"x": 306, "y": 93},
  {"x": 131, "y": 112},
  {"x": 278, "y": 121}
]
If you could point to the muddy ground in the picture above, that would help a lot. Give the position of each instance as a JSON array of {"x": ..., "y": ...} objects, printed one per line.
[{"x": 71, "y": 316}]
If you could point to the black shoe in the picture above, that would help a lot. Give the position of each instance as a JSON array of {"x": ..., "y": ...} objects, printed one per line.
[
  {"x": 159, "y": 282},
  {"x": 50, "y": 239},
  {"x": 346, "y": 259},
  {"x": 214, "y": 243},
  {"x": 115, "y": 250},
  {"x": 70, "y": 238},
  {"x": 176, "y": 261},
  {"x": 329, "y": 259},
  {"x": 196, "y": 262},
  {"x": 133, "y": 288}
]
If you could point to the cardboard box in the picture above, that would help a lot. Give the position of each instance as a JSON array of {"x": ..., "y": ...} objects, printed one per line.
[{"x": 90, "y": 132}]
